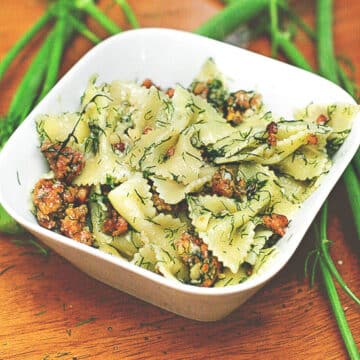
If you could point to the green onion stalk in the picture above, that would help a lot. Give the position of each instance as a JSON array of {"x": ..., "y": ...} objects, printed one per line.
[
  {"x": 91, "y": 9},
  {"x": 23, "y": 41},
  {"x": 39, "y": 78},
  {"x": 228, "y": 19}
]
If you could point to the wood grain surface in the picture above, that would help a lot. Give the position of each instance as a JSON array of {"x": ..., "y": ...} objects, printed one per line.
[{"x": 50, "y": 310}]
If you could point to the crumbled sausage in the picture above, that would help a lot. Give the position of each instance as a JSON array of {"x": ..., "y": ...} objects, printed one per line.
[
  {"x": 76, "y": 194},
  {"x": 74, "y": 226},
  {"x": 212, "y": 90},
  {"x": 239, "y": 103},
  {"x": 200, "y": 88},
  {"x": 159, "y": 203},
  {"x": 312, "y": 139},
  {"x": 115, "y": 224},
  {"x": 147, "y": 83},
  {"x": 47, "y": 195},
  {"x": 119, "y": 146},
  {"x": 170, "y": 92},
  {"x": 65, "y": 162},
  {"x": 322, "y": 119},
  {"x": 52, "y": 199},
  {"x": 48, "y": 201},
  {"x": 272, "y": 130},
  {"x": 222, "y": 183},
  {"x": 276, "y": 222},
  {"x": 194, "y": 252}
]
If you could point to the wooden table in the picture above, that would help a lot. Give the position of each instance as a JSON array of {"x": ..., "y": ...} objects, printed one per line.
[{"x": 50, "y": 310}]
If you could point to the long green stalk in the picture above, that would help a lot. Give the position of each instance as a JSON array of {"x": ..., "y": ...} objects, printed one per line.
[
  {"x": 24, "y": 99},
  {"x": 339, "y": 312},
  {"x": 328, "y": 68},
  {"x": 29, "y": 86},
  {"x": 89, "y": 7},
  {"x": 129, "y": 13},
  {"x": 19, "y": 45},
  {"x": 292, "y": 52},
  {"x": 353, "y": 189},
  {"x": 346, "y": 83},
  {"x": 325, "y": 49},
  {"x": 333, "y": 296},
  {"x": 274, "y": 26},
  {"x": 55, "y": 56},
  {"x": 297, "y": 20},
  {"x": 80, "y": 27},
  {"x": 326, "y": 255},
  {"x": 228, "y": 19},
  {"x": 357, "y": 162}
]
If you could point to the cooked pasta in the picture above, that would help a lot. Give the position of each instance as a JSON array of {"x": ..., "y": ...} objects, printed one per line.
[{"x": 196, "y": 184}]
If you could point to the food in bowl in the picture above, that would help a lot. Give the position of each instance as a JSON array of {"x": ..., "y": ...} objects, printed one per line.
[{"x": 196, "y": 184}]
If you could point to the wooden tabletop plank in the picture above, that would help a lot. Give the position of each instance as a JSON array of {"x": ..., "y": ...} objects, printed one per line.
[{"x": 51, "y": 310}]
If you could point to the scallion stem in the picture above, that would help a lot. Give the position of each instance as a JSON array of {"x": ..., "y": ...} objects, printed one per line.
[
  {"x": 228, "y": 19},
  {"x": 292, "y": 52},
  {"x": 55, "y": 56},
  {"x": 297, "y": 20},
  {"x": 19, "y": 45},
  {"x": 29, "y": 86},
  {"x": 129, "y": 13},
  {"x": 326, "y": 255},
  {"x": 325, "y": 49},
  {"x": 274, "y": 26},
  {"x": 353, "y": 189},
  {"x": 346, "y": 83},
  {"x": 80, "y": 27},
  {"x": 357, "y": 162},
  {"x": 339, "y": 312},
  {"x": 89, "y": 7}
]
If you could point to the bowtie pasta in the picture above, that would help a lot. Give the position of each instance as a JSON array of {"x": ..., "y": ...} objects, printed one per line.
[{"x": 197, "y": 184}]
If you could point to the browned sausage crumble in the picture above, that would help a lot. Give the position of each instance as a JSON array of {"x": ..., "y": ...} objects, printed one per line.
[
  {"x": 74, "y": 226},
  {"x": 62, "y": 208},
  {"x": 65, "y": 162},
  {"x": 195, "y": 254},
  {"x": 322, "y": 119},
  {"x": 115, "y": 224},
  {"x": 272, "y": 130},
  {"x": 239, "y": 104},
  {"x": 312, "y": 139},
  {"x": 276, "y": 222}
]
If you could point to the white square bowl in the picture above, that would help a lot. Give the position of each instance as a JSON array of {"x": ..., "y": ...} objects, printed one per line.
[{"x": 169, "y": 57}]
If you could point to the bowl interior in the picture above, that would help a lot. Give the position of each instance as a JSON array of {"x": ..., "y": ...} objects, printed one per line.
[{"x": 169, "y": 57}]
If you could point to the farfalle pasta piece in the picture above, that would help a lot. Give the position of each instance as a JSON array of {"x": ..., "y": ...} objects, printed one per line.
[
  {"x": 145, "y": 258},
  {"x": 56, "y": 128},
  {"x": 150, "y": 151},
  {"x": 101, "y": 167},
  {"x": 260, "y": 238},
  {"x": 228, "y": 278},
  {"x": 305, "y": 163},
  {"x": 172, "y": 192},
  {"x": 338, "y": 116},
  {"x": 184, "y": 162},
  {"x": 132, "y": 200},
  {"x": 271, "y": 154},
  {"x": 230, "y": 244}
]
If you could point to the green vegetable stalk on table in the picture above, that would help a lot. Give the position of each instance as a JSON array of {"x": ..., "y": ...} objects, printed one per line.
[{"x": 67, "y": 18}]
